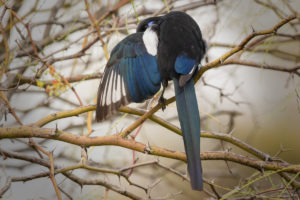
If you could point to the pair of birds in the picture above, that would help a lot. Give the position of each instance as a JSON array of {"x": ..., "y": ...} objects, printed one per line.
[{"x": 164, "y": 48}]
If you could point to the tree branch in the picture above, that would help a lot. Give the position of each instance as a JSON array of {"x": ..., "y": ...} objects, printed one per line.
[{"x": 115, "y": 140}]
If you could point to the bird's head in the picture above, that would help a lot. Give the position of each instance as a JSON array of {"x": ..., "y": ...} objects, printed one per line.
[
  {"x": 152, "y": 22},
  {"x": 150, "y": 29}
]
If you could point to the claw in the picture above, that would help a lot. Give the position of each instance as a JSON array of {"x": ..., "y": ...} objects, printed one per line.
[{"x": 162, "y": 101}]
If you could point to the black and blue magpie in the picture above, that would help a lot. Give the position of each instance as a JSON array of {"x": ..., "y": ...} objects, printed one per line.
[{"x": 164, "y": 48}]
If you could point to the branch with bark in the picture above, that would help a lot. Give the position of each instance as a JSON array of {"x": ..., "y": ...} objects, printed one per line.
[{"x": 38, "y": 66}]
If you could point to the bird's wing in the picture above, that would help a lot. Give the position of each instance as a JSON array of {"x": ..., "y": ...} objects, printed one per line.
[{"x": 131, "y": 75}]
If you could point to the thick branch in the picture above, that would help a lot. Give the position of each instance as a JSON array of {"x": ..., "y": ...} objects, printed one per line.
[
  {"x": 114, "y": 140},
  {"x": 158, "y": 120}
]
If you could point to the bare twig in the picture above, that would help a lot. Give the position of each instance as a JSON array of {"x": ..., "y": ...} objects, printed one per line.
[{"x": 6, "y": 187}]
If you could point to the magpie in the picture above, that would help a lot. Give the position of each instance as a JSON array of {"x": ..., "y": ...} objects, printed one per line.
[{"x": 164, "y": 48}]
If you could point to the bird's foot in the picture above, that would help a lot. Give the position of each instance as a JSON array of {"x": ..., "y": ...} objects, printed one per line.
[{"x": 162, "y": 101}]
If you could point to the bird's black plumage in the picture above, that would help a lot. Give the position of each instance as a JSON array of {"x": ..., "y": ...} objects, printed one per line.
[
  {"x": 164, "y": 48},
  {"x": 179, "y": 35}
]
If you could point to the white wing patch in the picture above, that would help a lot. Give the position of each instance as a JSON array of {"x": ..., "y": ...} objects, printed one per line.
[
  {"x": 112, "y": 94},
  {"x": 150, "y": 40},
  {"x": 114, "y": 89}
]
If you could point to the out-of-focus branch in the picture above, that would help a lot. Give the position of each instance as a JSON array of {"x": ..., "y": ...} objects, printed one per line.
[
  {"x": 6, "y": 187},
  {"x": 49, "y": 66},
  {"x": 269, "y": 5},
  {"x": 95, "y": 25},
  {"x": 82, "y": 181},
  {"x": 66, "y": 171},
  {"x": 51, "y": 170},
  {"x": 73, "y": 79},
  {"x": 5, "y": 100},
  {"x": 53, "y": 13},
  {"x": 5, "y": 43},
  {"x": 253, "y": 47}
]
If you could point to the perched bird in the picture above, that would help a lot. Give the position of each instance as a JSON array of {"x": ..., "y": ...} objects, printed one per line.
[{"x": 164, "y": 48}]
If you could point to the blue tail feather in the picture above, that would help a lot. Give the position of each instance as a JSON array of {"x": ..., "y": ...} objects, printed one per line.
[{"x": 189, "y": 118}]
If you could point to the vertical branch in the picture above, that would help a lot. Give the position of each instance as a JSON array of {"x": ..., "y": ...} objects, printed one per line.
[
  {"x": 115, "y": 8},
  {"x": 134, "y": 10},
  {"x": 104, "y": 45},
  {"x": 89, "y": 123},
  {"x": 3, "y": 97},
  {"x": 54, "y": 11},
  {"x": 6, "y": 187},
  {"x": 51, "y": 174},
  {"x": 5, "y": 43}
]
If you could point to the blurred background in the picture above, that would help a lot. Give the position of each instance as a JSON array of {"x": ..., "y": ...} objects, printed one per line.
[{"x": 247, "y": 99}]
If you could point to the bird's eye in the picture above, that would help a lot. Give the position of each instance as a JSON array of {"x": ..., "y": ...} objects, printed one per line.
[{"x": 150, "y": 23}]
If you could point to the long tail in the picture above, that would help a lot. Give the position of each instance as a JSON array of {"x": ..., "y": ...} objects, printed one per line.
[{"x": 189, "y": 118}]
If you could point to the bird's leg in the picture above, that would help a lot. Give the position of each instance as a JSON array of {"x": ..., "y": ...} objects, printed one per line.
[{"x": 162, "y": 100}]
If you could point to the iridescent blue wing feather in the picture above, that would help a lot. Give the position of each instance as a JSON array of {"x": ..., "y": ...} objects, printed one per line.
[{"x": 131, "y": 75}]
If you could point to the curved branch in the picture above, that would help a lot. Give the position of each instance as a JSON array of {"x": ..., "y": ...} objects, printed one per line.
[
  {"x": 109, "y": 186},
  {"x": 241, "y": 46},
  {"x": 63, "y": 114},
  {"x": 6, "y": 187},
  {"x": 115, "y": 140},
  {"x": 225, "y": 137},
  {"x": 262, "y": 66}
]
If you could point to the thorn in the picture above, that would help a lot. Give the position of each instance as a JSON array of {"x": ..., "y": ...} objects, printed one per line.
[
  {"x": 229, "y": 149},
  {"x": 206, "y": 59},
  {"x": 253, "y": 30},
  {"x": 147, "y": 149},
  {"x": 268, "y": 158},
  {"x": 52, "y": 151},
  {"x": 119, "y": 176},
  {"x": 231, "y": 132},
  {"x": 84, "y": 155},
  {"x": 162, "y": 102},
  {"x": 221, "y": 60},
  {"x": 157, "y": 159},
  {"x": 56, "y": 129}
]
